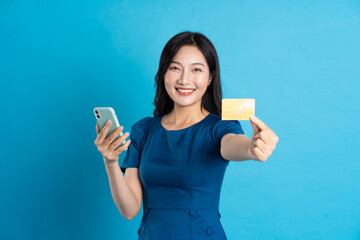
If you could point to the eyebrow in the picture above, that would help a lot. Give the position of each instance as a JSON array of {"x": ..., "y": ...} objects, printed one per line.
[{"x": 191, "y": 64}]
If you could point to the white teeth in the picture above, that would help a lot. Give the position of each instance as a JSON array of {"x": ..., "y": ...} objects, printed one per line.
[{"x": 185, "y": 91}]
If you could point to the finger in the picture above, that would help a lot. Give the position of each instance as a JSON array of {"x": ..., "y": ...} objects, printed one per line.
[
  {"x": 113, "y": 135},
  {"x": 259, "y": 143},
  {"x": 263, "y": 126},
  {"x": 118, "y": 141},
  {"x": 259, "y": 154},
  {"x": 260, "y": 124},
  {"x": 255, "y": 128},
  {"x": 104, "y": 131},
  {"x": 262, "y": 146},
  {"x": 269, "y": 137},
  {"x": 97, "y": 141},
  {"x": 97, "y": 128},
  {"x": 264, "y": 135},
  {"x": 275, "y": 139},
  {"x": 122, "y": 148}
]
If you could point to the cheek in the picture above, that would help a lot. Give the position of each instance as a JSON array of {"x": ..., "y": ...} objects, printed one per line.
[
  {"x": 169, "y": 82},
  {"x": 201, "y": 82},
  {"x": 169, "y": 78},
  {"x": 166, "y": 79}
]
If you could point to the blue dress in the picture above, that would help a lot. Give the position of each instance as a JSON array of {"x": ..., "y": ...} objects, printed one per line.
[{"x": 181, "y": 173}]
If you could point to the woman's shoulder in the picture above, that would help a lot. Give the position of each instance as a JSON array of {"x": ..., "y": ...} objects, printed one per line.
[
  {"x": 144, "y": 120},
  {"x": 217, "y": 121},
  {"x": 214, "y": 120},
  {"x": 143, "y": 123},
  {"x": 220, "y": 127},
  {"x": 215, "y": 117},
  {"x": 140, "y": 129}
]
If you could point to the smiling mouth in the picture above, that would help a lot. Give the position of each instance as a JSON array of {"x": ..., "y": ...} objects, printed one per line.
[{"x": 184, "y": 91}]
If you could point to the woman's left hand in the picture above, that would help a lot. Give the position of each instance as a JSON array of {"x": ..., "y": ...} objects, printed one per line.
[{"x": 263, "y": 141}]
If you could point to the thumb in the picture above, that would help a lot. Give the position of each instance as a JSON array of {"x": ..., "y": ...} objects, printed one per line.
[{"x": 97, "y": 128}]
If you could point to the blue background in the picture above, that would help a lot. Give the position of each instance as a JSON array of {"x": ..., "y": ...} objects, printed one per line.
[{"x": 300, "y": 60}]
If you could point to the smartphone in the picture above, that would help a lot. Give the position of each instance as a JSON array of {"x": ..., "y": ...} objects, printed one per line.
[{"x": 103, "y": 114}]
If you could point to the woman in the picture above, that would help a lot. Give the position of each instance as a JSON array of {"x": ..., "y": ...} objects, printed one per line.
[{"x": 177, "y": 159}]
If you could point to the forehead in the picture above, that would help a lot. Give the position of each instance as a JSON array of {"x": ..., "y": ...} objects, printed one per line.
[{"x": 189, "y": 54}]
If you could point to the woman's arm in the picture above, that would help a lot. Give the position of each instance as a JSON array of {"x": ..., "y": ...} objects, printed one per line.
[
  {"x": 126, "y": 191},
  {"x": 234, "y": 147},
  {"x": 238, "y": 147}
]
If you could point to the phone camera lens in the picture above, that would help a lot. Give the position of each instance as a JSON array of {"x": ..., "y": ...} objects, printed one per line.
[
  {"x": 96, "y": 112},
  {"x": 98, "y": 116}
]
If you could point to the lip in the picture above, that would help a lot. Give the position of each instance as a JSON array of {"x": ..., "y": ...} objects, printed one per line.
[
  {"x": 185, "y": 94},
  {"x": 185, "y": 88}
]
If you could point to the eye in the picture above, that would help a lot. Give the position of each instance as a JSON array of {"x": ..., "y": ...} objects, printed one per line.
[
  {"x": 198, "y": 70},
  {"x": 173, "y": 68}
]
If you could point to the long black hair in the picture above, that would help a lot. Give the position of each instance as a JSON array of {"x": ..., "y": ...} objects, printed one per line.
[{"x": 211, "y": 99}]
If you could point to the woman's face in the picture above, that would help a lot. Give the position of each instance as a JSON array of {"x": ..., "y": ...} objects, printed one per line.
[{"x": 187, "y": 70}]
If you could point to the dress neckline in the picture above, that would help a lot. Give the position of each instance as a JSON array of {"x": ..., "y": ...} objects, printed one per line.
[{"x": 179, "y": 130}]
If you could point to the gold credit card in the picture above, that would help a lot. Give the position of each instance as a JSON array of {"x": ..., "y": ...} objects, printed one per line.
[{"x": 237, "y": 109}]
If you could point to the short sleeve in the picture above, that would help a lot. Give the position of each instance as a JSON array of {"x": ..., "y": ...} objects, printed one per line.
[
  {"x": 138, "y": 137},
  {"x": 221, "y": 128}
]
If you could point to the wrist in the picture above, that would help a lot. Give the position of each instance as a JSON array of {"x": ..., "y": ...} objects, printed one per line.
[
  {"x": 110, "y": 163},
  {"x": 248, "y": 152}
]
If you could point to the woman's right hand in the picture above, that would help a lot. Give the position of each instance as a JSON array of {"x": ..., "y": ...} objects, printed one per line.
[{"x": 107, "y": 146}]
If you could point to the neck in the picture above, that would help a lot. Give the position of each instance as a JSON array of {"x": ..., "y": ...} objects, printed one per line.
[{"x": 188, "y": 114}]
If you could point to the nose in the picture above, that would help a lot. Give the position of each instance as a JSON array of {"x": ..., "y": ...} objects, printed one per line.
[{"x": 184, "y": 78}]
